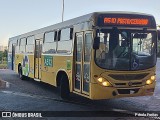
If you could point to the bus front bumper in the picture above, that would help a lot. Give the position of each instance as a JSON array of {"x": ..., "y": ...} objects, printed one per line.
[{"x": 100, "y": 92}]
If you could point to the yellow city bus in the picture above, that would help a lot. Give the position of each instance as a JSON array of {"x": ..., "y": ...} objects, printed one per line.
[{"x": 101, "y": 55}]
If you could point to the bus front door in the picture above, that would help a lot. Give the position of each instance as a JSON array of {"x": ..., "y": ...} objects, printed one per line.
[
  {"x": 82, "y": 62},
  {"x": 37, "y": 60}
]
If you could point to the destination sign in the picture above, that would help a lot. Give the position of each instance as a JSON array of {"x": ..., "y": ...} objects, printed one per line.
[{"x": 125, "y": 20}]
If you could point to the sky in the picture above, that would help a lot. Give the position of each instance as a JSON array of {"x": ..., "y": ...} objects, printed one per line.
[{"x": 21, "y": 16}]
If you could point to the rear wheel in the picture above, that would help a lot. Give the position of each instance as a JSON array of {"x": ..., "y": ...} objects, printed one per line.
[
  {"x": 64, "y": 87},
  {"x": 21, "y": 76}
]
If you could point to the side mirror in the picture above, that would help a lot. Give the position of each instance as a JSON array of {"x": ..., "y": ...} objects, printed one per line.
[
  {"x": 158, "y": 32},
  {"x": 96, "y": 43}
]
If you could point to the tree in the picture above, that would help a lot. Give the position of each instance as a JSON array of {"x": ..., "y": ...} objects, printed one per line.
[
  {"x": 1, "y": 55},
  {"x": 5, "y": 53}
]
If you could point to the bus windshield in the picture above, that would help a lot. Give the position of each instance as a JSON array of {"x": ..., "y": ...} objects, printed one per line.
[{"x": 126, "y": 49}]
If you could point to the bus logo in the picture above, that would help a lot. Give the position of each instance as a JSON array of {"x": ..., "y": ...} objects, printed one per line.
[{"x": 130, "y": 83}]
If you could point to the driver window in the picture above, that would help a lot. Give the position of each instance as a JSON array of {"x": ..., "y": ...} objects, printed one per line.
[
  {"x": 104, "y": 45},
  {"x": 142, "y": 43},
  {"x": 122, "y": 46}
]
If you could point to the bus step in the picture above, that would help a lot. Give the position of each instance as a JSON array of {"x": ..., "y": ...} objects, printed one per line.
[{"x": 38, "y": 80}]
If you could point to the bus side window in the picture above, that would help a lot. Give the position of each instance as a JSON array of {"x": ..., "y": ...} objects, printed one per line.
[
  {"x": 65, "y": 34},
  {"x": 22, "y": 45},
  {"x": 30, "y": 44},
  {"x": 49, "y": 46},
  {"x": 10, "y": 47},
  {"x": 17, "y": 46},
  {"x": 64, "y": 42}
]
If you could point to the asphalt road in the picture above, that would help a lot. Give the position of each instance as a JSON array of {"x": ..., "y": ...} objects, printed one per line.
[{"x": 29, "y": 95}]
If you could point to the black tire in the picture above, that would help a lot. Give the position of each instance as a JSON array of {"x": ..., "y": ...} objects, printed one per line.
[
  {"x": 22, "y": 77},
  {"x": 64, "y": 87}
]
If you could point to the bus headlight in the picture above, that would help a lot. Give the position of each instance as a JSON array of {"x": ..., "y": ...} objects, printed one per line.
[
  {"x": 151, "y": 80},
  {"x": 153, "y": 77},
  {"x": 100, "y": 79},
  {"x": 148, "y": 82},
  {"x": 104, "y": 82}
]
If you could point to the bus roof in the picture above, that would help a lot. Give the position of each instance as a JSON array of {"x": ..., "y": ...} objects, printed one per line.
[{"x": 74, "y": 21}]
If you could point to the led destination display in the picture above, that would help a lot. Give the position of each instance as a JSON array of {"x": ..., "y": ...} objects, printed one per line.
[{"x": 125, "y": 20}]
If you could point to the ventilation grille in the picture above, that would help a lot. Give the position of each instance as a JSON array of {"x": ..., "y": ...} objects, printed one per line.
[{"x": 128, "y": 76}]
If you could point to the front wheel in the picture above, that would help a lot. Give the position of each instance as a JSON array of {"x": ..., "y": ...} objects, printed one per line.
[
  {"x": 21, "y": 76},
  {"x": 64, "y": 87}
]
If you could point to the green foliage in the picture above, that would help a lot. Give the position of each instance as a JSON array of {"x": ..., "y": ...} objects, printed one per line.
[
  {"x": 3, "y": 66},
  {"x": 3, "y": 56},
  {"x": 3, "y": 59},
  {"x": 5, "y": 53},
  {"x": 4, "y": 62}
]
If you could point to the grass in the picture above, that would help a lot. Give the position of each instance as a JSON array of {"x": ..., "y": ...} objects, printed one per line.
[{"x": 3, "y": 65}]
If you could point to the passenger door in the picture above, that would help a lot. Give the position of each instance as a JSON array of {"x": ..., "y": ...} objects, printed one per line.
[
  {"x": 83, "y": 45},
  {"x": 37, "y": 60}
]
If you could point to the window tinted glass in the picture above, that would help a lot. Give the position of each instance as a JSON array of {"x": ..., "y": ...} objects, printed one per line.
[
  {"x": 22, "y": 46},
  {"x": 88, "y": 43},
  {"x": 30, "y": 40},
  {"x": 49, "y": 37},
  {"x": 49, "y": 48},
  {"x": 23, "y": 41},
  {"x": 142, "y": 45},
  {"x": 10, "y": 46},
  {"x": 30, "y": 48},
  {"x": 65, "y": 34},
  {"x": 128, "y": 50},
  {"x": 79, "y": 48},
  {"x": 64, "y": 47}
]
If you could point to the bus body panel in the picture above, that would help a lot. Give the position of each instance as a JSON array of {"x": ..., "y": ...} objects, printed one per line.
[
  {"x": 48, "y": 73},
  {"x": 100, "y": 92}
]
